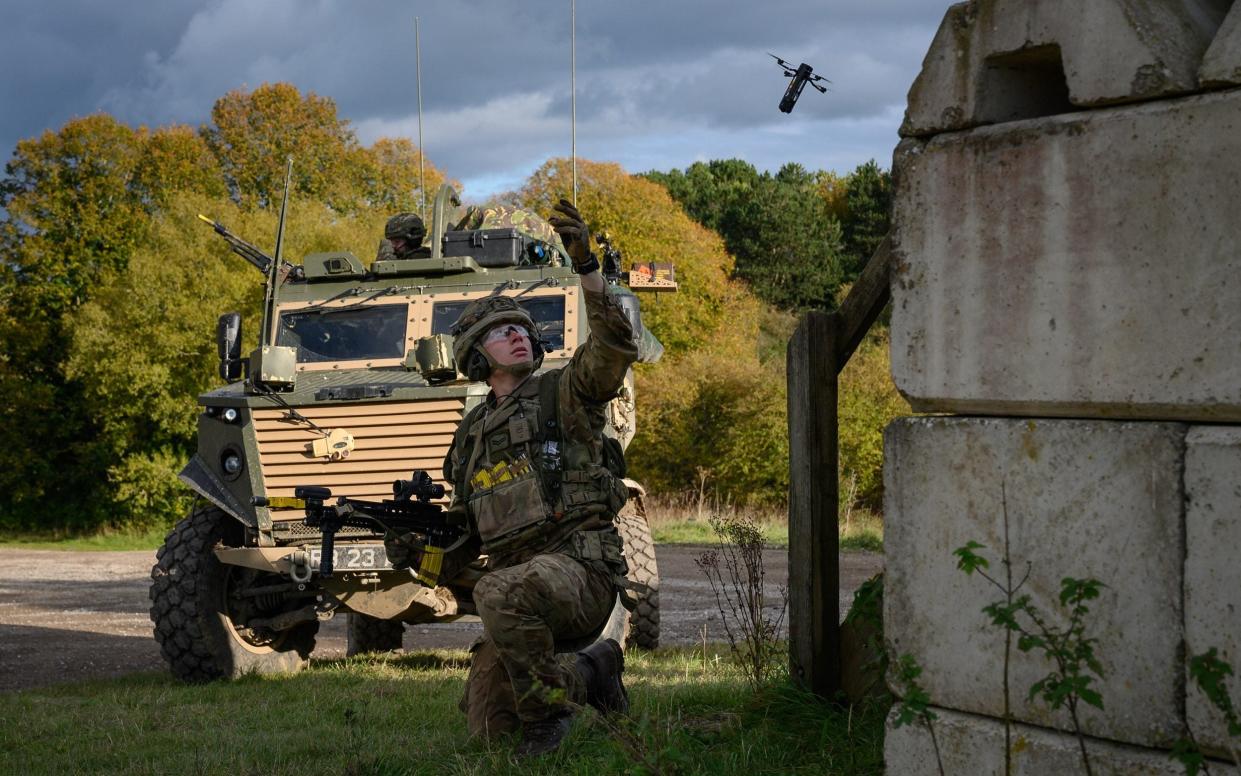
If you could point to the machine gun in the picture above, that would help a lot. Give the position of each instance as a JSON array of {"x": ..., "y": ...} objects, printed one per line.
[
  {"x": 252, "y": 253},
  {"x": 409, "y": 511}
]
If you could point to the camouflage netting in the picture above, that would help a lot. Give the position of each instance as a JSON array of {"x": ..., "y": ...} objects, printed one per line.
[{"x": 527, "y": 222}]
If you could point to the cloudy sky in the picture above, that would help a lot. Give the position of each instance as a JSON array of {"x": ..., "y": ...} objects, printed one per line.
[{"x": 660, "y": 83}]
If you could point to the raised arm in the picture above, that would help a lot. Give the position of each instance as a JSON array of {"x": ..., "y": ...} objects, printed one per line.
[{"x": 598, "y": 368}]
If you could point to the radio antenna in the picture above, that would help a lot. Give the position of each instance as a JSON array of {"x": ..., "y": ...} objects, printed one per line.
[
  {"x": 422, "y": 155},
  {"x": 573, "y": 92},
  {"x": 273, "y": 276}
]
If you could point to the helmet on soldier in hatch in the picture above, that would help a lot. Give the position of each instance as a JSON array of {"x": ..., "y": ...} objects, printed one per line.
[
  {"x": 406, "y": 226},
  {"x": 480, "y": 317}
]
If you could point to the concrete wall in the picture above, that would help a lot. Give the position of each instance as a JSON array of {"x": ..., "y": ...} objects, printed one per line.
[
  {"x": 1073, "y": 265},
  {"x": 1084, "y": 499},
  {"x": 974, "y": 745},
  {"x": 1213, "y": 566},
  {"x": 1067, "y": 259}
]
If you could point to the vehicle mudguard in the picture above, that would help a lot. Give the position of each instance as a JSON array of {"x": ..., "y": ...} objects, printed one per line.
[{"x": 209, "y": 486}]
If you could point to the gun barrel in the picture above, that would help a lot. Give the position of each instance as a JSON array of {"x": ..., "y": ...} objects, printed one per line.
[{"x": 245, "y": 250}]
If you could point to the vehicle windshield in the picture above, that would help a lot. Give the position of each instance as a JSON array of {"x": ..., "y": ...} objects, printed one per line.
[
  {"x": 547, "y": 312},
  {"x": 323, "y": 334}
]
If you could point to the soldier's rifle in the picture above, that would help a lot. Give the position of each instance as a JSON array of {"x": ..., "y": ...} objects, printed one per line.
[
  {"x": 410, "y": 510},
  {"x": 250, "y": 252}
]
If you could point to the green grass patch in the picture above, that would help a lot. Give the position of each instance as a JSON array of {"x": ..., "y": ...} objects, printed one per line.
[
  {"x": 692, "y": 531},
  {"x": 106, "y": 540},
  {"x": 693, "y": 713}
]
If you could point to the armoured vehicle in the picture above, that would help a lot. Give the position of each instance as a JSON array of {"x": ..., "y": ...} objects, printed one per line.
[{"x": 352, "y": 389}]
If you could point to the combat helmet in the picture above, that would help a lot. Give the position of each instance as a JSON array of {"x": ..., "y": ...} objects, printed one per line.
[
  {"x": 406, "y": 226},
  {"x": 476, "y": 320}
]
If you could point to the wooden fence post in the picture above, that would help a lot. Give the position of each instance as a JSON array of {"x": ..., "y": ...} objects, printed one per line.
[
  {"x": 814, "y": 540},
  {"x": 819, "y": 349}
]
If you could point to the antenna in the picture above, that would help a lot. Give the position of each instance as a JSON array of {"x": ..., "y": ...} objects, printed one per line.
[
  {"x": 422, "y": 154},
  {"x": 273, "y": 278},
  {"x": 573, "y": 91}
]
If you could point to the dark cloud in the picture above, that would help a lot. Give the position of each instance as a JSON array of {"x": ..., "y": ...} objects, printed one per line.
[{"x": 651, "y": 75}]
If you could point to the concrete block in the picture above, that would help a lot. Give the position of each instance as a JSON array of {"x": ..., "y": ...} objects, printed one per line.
[
  {"x": 1000, "y": 60},
  {"x": 1098, "y": 499},
  {"x": 1221, "y": 65},
  {"x": 970, "y": 744},
  {"x": 1212, "y": 567},
  {"x": 1081, "y": 265}
]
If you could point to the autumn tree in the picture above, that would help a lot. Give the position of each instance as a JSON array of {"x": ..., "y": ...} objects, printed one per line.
[
  {"x": 392, "y": 178},
  {"x": 253, "y": 133},
  {"x": 77, "y": 205},
  {"x": 712, "y": 407},
  {"x": 94, "y": 222}
]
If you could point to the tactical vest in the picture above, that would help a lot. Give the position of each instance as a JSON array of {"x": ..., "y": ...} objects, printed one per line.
[{"x": 534, "y": 483}]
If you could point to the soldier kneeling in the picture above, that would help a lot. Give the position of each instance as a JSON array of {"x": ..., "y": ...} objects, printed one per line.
[{"x": 539, "y": 499}]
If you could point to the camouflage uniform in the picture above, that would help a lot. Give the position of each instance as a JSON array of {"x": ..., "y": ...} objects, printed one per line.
[{"x": 543, "y": 512}]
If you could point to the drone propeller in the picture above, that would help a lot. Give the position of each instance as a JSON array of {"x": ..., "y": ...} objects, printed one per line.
[
  {"x": 822, "y": 89},
  {"x": 783, "y": 64},
  {"x": 818, "y": 78}
]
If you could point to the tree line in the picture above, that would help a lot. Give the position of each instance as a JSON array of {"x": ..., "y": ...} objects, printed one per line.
[{"x": 109, "y": 290}]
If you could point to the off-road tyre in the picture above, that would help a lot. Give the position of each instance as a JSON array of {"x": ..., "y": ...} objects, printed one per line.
[
  {"x": 371, "y": 634},
  {"x": 193, "y": 612},
  {"x": 631, "y": 523}
]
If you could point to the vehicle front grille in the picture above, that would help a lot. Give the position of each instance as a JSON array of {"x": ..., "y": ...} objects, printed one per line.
[
  {"x": 295, "y": 530},
  {"x": 391, "y": 441}
]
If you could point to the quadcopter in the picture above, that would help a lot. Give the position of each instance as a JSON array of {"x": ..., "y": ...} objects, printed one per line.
[{"x": 802, "y": 75}]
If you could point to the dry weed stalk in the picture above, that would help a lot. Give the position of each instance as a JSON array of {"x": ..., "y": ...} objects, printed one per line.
[{"x": 735, "y": 571}]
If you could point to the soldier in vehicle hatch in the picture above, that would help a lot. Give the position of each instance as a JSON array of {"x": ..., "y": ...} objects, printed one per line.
[
  {"x": 539, "y": 486},
  {"x": 403, "y": 235}
]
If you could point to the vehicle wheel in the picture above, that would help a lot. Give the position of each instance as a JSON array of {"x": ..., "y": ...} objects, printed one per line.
[
  {"x": 197, "y": 606},
  {"x": 371, "y": 634},
  {"x": 640, "y": 555}
]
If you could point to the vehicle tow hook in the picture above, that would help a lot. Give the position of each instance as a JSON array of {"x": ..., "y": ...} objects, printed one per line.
[{"x": 299, "y": 569}]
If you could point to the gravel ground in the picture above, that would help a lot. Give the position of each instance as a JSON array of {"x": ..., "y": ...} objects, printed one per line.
[{"x": 72, "y": 616}]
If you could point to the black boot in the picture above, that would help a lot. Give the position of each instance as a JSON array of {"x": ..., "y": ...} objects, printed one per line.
[
  {"x": 543, "y": 736},
  {"x": 601, "y": 666}
]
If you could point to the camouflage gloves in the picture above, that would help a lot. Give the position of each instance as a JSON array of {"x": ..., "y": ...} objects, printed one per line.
[
  {"x": 576, "y": 237},
  {"x": 404, "y": 550}
]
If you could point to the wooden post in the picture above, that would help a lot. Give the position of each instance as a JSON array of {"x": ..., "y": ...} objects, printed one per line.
[
  {"x": 819, "y": 349},
  {"x": 814, "y": 540}
]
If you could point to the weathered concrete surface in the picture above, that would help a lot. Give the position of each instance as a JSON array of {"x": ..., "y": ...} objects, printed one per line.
[
  {"x": 1081, "y": 265},
  {"x": 1098, "y": 499},
  {"x": 1221, "y": 65},
  {"x": 974, "y": 745},
  {"x": 1212, "y": 566},
  {"x": 998, "y": 60}
]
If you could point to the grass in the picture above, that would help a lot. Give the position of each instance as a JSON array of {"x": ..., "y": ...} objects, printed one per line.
[
  {"x": 103, "y": 540},
  {"x": 693, "y": 713},
  {"x": 684, "y": 521}
]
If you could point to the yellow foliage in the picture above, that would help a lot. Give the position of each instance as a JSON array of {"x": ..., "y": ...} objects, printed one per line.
[
  {"x": 868, "y": 401},
  {"x": 647, "y": 225}
]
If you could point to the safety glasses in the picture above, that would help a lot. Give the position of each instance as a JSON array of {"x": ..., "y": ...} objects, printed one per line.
[{"x": 501, "y": 333}]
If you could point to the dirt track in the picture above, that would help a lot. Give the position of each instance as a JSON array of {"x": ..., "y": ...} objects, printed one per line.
[{"x": 70, "y": 616}]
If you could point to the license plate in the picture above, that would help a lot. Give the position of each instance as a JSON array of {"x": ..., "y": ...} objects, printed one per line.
[{"x": 360, "y": 557}]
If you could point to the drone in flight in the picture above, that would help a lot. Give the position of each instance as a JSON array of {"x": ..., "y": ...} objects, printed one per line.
[{"x": 801, "y": 75}]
